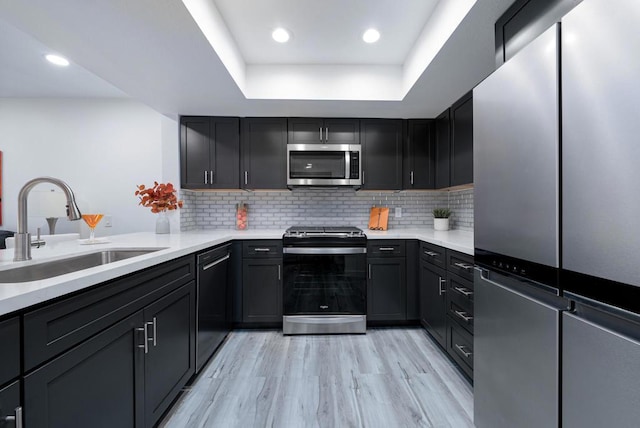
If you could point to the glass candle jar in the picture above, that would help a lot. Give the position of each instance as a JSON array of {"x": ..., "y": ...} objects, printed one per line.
[{"x": 242, "y": 213}]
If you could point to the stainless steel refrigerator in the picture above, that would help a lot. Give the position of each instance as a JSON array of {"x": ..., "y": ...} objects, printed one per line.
[{"x": 557, "y": 332}]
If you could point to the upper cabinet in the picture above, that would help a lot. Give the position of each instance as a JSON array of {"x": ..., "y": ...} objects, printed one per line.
[
  {"x": 442, "y": 149},
  {"x": 453, "y": 151},
  {"x": 418, "y": 170},
  {"x": 461, "y": 156},
  {"x": 264, "y": 153},
  {"x": 209, "y": 152},
  {"x": 382, "y": 154},
  {"x": 310, "y": 130}
]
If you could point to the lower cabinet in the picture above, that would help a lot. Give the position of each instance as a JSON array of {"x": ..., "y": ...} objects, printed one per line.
[
  {"x": 446, "y": 301},
  {"x": 115, "y": 355},
  {"x": 386, "y": 281},
  {"x": 10, "y": 407},
  {"x": 262, "y": 282},
  {"x": 125, "y": 376},
  {"x": 433, "y": 305}
]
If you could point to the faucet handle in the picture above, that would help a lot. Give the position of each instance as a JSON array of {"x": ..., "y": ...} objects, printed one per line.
[{"x": 38, "y": 242}]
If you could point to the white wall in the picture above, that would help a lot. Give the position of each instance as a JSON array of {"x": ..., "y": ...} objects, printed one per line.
[{"x": 101, "y": 148}]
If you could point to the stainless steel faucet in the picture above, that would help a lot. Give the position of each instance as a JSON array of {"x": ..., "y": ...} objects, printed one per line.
[{"x": 23, "y": 237}]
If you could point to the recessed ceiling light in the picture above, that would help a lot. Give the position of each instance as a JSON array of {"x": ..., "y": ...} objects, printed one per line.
[
  {"x": 57, "y": 60},
  {"x": 371, "y": 35},
  {"x": 280, "y": 35}
]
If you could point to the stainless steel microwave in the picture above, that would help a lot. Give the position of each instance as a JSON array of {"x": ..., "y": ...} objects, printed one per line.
[{"x": 324, "y": 165}]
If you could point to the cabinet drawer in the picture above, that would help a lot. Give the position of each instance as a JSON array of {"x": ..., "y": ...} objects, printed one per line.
[
  {"x": 460, "y": 347},
  {"x": 10, "y": 345},
  {"x": 460, "y": 264},
  {"x": 386, "y": 248},
  {"x": 59, "y": 326},
  {"x": 460, "y": 291},
  {"x": 433, "y": 254},
  {"x": 461, "y": 314},
  {"x": 262, "y": 249}
]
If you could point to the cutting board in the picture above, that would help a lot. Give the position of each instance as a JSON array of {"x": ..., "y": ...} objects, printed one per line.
[{"x": 378, "y": 218}]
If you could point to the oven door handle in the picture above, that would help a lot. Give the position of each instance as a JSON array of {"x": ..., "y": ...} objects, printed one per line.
[{"x": 324, "y": 250}]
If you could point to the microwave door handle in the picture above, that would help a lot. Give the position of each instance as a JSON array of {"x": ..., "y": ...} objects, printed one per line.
[{"x": 347, "y": 165}]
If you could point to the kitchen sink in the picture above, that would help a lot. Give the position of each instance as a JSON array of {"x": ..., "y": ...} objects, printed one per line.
[{"x": 50, "y": 269}]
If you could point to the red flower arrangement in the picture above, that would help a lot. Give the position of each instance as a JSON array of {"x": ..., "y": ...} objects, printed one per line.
[{"x": 161, "y": 197}]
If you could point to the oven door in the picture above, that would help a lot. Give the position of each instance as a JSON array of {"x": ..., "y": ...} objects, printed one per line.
[
  {"x": 324, "y": 281},
  {"x": 323, "y": 165}
]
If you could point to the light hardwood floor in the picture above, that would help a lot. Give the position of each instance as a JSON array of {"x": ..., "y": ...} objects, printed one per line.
[{"x": 390, "y": 377}]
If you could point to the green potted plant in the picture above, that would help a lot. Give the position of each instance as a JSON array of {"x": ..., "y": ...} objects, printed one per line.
[{"x": 441, "y": 218}]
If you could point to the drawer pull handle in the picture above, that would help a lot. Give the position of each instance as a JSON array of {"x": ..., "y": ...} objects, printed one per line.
[
  {"x": 262, "y": 250},
  {"x": 464, "y": 291},
  {"x": 441, "y": 289},
  {"x": 461, "y": 349},
  {"x": 463, "y": 315},
  {"x": 431, "y": 253},
  {"x": 386, "y": 249},
  {"x": 464, "y": 266}
]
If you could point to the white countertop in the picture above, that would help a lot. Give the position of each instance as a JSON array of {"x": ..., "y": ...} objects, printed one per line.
[{"x": 16, "y": 296}]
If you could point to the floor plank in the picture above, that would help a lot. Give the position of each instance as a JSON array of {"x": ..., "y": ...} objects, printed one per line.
[{"x": 390, "y": 377}]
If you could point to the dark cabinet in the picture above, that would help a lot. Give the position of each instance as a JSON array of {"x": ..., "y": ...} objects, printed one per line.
[
  {"x": 264, "y": 153},
  {"x": 433, "y": 309},
  {"x": 10, "y": 355},
  {"x": 116, "y": 355},
  {"x": 386, "y": 281},
  {"x": 311, "y": 130},
  {"x": 11, "y": 413},
  {"x": 382, "y": 141},
  {"x": 442, "y": 149},
  {"x": 446, "y": 301},
  {"x": 262, "y": 282},
  {"x": 419, "y": 156},
  {"x": 170, "y": 360},
  {"x": 98, "y": 383},
  {"x": 413, "y": 272},
  {"x": 209, "y": 152},
  {"x": 462, "y": 141}
]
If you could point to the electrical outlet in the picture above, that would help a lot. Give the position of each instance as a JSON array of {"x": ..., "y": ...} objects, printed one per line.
[
  {"x": 398, "y": 212},
  {"x": 108, "y": 221}
]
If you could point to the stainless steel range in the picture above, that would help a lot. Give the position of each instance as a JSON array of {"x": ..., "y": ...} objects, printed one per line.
[{"x": 325, "y": 283}]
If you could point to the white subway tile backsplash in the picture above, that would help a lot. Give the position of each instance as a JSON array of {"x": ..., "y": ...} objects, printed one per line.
[{"x": 281, "y": 209}]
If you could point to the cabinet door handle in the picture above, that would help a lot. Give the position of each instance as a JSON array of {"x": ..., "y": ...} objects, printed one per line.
[
  {"x": 412, "y": 178},
  {"x": 326, "y": 134},
  {"x": 441, "y": 290},
  {"x": 464, "y": 291},
  {"x": 463, "y": 266},
  {"x": 205, "y": 178},
  {"x": 145, "y": 343},
  {"x": 279, "y": 273},
  {"x": 246, "y": 177},
  {"x": 212, "y": 264},
  {"x": 17, "y": 417},
  {"x": 431, "y": 253},
  {"x": 386, "y": 249},
  {"x": 461, "y": 349},
  {"x": 369, "y": 270},
  {"x": 262, "y": 250},
  {"x": 363, "y": 177},
  {"x": 321, "y": 134},
  {"x": 463, "y": 315},
  {"x": 154, "y": 328},
  {"x": 211, "y": 176}
]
